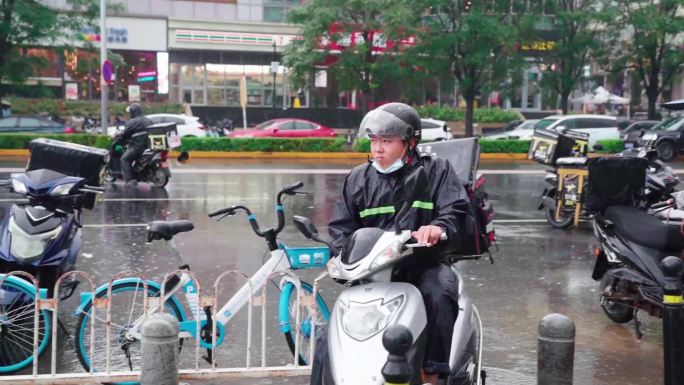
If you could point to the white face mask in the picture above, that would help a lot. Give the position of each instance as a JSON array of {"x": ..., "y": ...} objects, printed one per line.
[{"x": 399, "y": 163}]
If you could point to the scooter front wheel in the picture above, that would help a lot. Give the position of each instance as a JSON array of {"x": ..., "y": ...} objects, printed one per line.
[
  {"x": 564, "y": 222},
  {"x": 287, "y": 318}
]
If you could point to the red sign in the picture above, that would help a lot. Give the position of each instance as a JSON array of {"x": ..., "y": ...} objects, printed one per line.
[{"x": 345, "y": 39}]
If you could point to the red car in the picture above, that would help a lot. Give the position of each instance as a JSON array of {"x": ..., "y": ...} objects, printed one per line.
[{"x": 286, "y": 128}]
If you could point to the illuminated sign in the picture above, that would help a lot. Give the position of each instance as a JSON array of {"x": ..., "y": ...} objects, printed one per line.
[{"x": 162, "y": 73}]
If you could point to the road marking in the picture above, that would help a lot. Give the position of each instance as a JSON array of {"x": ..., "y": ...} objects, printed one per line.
[
  {"x": 104, "y": 225},
  {"x": 504, "y": 221},
  {"x": 198, "y": 199},
  {"x": 314, "y": 171}
]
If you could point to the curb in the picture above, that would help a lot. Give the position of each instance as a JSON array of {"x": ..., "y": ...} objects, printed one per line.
[{"x": 281, "y": 155}]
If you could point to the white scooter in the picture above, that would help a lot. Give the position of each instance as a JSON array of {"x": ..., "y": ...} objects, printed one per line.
[{"x": 371, "y": 303}]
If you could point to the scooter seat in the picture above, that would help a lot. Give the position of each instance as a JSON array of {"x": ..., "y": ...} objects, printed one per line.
[
  {"x": 644, "y": 229},
  {"x": 167, "y": 229},
  {"x": 571, "y": 161}
]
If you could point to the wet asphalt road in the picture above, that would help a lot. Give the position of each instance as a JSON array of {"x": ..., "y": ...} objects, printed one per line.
[{"x": 537, "y": 270}]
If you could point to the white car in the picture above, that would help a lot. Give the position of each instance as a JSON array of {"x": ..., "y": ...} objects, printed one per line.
[
  {"x": 187, "y": 126},
  {"x": 599, "y": 127},
  {"x": 434, "y": 130},
  {"x": 523, "y": 131}
]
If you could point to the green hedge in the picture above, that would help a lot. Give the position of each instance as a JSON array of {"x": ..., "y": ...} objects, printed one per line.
[
  {"x": 68, "y": 108},
  {"x": 21, "y": 141},
  {"x": 264, "y": 144},
  {"x": 611, "y": 146},
  {"x": 504, "y": 146},
  {"x": 487, "y": 146},
  {"x": 480, "y": 115}
]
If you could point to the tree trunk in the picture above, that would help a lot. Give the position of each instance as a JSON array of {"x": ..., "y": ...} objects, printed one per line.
[
  {"x": 565, "y": 96},
  {"x": 470, "y": 107},
  {"x": 652, "y": 97}
]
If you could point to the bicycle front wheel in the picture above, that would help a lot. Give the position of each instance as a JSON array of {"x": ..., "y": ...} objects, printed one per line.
[
  {"x": 17, "y": 316},
  {"x": 288, "y": 317},
  {"x": 126, "y": 308}
]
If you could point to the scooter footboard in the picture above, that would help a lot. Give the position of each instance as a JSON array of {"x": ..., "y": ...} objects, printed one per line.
[{"x": 360, "y": 316}]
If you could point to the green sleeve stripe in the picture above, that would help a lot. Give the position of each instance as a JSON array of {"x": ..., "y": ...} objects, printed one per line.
[
  {"x": 376, "y": 211},
  {"x": 423, "y": 205}
]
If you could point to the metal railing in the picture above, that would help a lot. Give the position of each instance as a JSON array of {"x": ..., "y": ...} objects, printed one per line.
[{"x": 104, "y": 304}]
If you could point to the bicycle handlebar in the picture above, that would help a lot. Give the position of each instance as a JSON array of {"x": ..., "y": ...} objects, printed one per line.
[{"x": 289, "y": 190}]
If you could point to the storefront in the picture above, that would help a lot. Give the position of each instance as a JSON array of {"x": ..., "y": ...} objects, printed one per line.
[{"x": 208, "y": 60}]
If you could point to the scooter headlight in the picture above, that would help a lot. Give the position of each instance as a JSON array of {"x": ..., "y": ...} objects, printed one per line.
[
  {"x": 27, "y": 247},
  {"x": 387, "y": 255},
  {"x": 19, "y": 187},
  {"x": 62, "y": 189},
  {"x": 362, "y": 321}
]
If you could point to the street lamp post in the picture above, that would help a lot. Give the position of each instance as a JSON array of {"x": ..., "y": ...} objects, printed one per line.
[{"x": 274, "y": 69}]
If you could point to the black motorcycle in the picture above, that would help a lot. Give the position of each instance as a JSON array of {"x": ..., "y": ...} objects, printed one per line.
[
  {"x": 152, "y": 166},
  {"x": 631, "y": 246}
]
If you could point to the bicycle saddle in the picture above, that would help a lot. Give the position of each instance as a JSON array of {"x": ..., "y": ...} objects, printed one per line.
[{"x": 167, "y": 229}]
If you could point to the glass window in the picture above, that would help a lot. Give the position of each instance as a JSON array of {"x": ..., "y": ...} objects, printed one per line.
[
  {"x": 300, "y": 125},
  {"x": 429, "y": 125},
  {"x": 585, "y": 123},
  {"x": 156, "y": 119},
  {"x": 606, "y": 123},
  {"x": 215, "y": 97},
  {"x": 215, "y": 74},
  {"x": 48, "y": 123},
  {"x": 198, "y": 97},
  {"x": 172, "y": 119},
  {"x": 274, "y": 14},
  {"x": 569, "y": 124},
  {"x": 265, "y": 124},
  {"x": 9, "y": 122},
  {"x": 232, "y": 97},
  {"x": 174, "y": 75},
  {"x": 287, "y": 126},
  {"x": 187, "y": 75},
  {"x": 28, "y": 122},
  {"x": 545, "y": 123},
  {"x": 254, "y": 97}
]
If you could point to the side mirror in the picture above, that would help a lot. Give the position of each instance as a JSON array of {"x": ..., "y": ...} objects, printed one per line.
[
  {"x": 598, "y": 147},
  {"x": 305, "y": 227},
  {"x": 642, "y": 132},
  {"x": 184, "y": 156},
  {"x": 276, "y": 130}
]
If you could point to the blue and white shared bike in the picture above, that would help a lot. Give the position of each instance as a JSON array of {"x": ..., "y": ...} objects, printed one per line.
[{"x": 127, "y": 314}]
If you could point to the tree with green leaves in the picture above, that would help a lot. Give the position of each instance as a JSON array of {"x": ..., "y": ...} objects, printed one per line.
[
  {"x": 29, "y": 23},
  {"x": 652, "y": 47},
  {"x": 475, "y": 40},
  {"x": 349, "y": 38},
  {"x": 575, "y": 24}
]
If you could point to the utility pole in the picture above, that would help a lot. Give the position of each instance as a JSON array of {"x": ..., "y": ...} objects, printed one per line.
[{"x": 104, "y": 88}]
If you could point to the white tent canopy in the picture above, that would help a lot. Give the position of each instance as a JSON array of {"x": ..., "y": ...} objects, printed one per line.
[{"x": 600, "y": 96}]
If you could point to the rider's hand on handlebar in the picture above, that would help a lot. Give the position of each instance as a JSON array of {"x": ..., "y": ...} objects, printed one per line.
[{"x": 429, "y": 234}]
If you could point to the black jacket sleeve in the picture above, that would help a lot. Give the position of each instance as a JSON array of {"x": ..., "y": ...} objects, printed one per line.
[
  {"x": 345, "y": 219},
  {"x": 132, "y": 126},
  {"x": 451, "y": 205}
]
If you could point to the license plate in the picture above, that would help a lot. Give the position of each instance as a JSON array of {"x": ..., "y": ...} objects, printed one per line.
[
  {"x": 165, "y": 164},
  {"x": 629, "y": 145}
]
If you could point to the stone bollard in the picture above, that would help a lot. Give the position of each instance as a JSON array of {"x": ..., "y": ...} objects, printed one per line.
[
  {"x": 397, "y": 340},
  {"x": 556, "y": 350},
  {"x": 159, "y": 351},
  {"x": 673, "y": 319}
]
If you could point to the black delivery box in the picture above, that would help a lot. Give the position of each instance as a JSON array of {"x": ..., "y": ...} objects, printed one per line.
[
  {"x": 548, "y": 145},
  {"x": 70, "y": 159}
]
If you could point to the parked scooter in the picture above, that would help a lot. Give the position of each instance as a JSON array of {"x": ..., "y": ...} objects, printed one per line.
[
  {"x": 43, "y": 237},
  {"x": 371, "y": 302},
  {"x": 632, "y": 244},
  {"x": 661, "y": 181}
]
